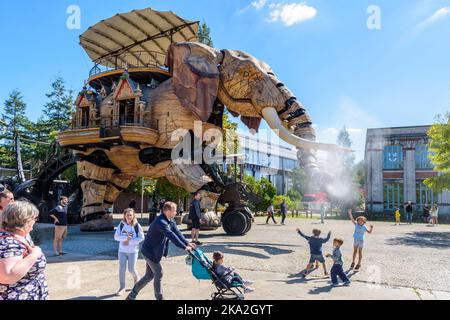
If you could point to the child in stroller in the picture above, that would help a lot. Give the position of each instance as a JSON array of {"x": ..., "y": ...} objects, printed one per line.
[
  {"x": 204, "y": 269},
  {"x": 228, "y": 274}
]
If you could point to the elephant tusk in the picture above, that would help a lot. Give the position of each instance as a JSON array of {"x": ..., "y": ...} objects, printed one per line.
[{"x": 274, "y": 122}]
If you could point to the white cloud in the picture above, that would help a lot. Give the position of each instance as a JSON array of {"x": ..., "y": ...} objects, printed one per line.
[
  {"x": 258, "y": 5},
  {"x": 438, "y": 15},
  {"x": 291, "y": 13}
]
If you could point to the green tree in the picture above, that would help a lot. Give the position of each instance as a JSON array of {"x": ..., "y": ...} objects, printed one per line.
[
  {"x": 360, "y": 174},
  {"x": 344, "y": 140},
  {"x": 16, "y": 124},
  {"x": 290, "y": 204},
  {"x": 204, "y": 35},
  {"x": 230, "y": 137},
  {"x": 439, "y": 147},
  {"x": 58, "y": 111},
  {"x": 298, "y": 178},
  {"x": 264, "y": 188},
  {"x": 136, "y": 186},
  {"x": 166, "y": 190}
]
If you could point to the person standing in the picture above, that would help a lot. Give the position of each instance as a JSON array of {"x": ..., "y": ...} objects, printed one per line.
[
  {"x": 132, "y": 204},
  {"x": 156, "y": 245},
  {"x": 283, "y": 212},
  {"x": 409, "y": 212},
  {"x": 434, "y": 212},
  {"x": 323, "y": 212},
  {"x": 195, "y": 215},
  {"x": 130, "y": 234},
  {"x": 6, "y": 197},
  {"x": 59, "y": 216},
  {"x": 398, "y": 216},
  {"x": 359, "y": 236},
  {"x": 161, "y": 205},
  {"x": 22, "y": 265},
  {"x": 338, "y": 264},
  {"x": 426, "y": 213},
  {"x": 271, "y": 214}
]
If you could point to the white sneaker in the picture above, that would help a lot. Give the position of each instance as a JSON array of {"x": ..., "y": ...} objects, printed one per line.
[
  {"x": 248, "y": 290},
  {"x": 248, "y": 282},
  {"x": 120, "y": 293}
]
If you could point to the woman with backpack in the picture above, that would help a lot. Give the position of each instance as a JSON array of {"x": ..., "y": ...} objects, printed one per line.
[{"x": 130, "y": 234}]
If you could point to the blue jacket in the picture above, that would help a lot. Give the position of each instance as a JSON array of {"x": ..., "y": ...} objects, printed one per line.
[
  {"x": 160, "y": 232},
  {"x": 195, "y": 211},
  {"x": 315, "y": 243},
  {"x": 283, "y": 207}
]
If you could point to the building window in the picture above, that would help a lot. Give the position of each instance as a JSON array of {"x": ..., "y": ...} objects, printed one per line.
[
  {"x": 393, "y": 157},
  {"x": 424, "y": 195},
  {"x": 422, "y": 159},
  {"x": 393, "y": 195}
]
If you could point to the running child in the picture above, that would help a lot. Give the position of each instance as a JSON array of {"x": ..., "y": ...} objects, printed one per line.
[
  {"x": 338, "y": 264},
  {"x": 315, "y": 246},
  {"x": 228, "y": 274},
  {"x": 358, "y": 236}
]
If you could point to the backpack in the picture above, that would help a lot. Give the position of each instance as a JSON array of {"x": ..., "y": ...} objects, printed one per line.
[{"x": 136, "y": 228}]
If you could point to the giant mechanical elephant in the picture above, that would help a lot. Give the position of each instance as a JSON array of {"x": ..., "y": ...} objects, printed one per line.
[{"x": 203, "y": 81}]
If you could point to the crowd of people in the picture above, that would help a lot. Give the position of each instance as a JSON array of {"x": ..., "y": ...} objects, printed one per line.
[
  {"x": 22, "y": 264},
  {"x": 430, "y": 214}
]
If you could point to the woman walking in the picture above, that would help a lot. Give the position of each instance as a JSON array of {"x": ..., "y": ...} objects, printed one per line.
[
  {"x": 270, "y": 214},
  {"x": 21, "y": 264},
  {"x": 130, "y": 234}
]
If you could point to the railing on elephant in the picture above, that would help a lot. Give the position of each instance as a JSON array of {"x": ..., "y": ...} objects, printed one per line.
[{"x": 129, "y": 60}]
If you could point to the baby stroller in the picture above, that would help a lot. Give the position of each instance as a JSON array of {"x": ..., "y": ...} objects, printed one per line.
[{"x": 202, "y": 269}]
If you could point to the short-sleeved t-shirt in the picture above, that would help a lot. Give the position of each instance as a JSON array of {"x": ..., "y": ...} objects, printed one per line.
[
  {"x": 60, "y": 212},
  {"x": 360, "y": 232},
  {"x": 33, "y": 286}
]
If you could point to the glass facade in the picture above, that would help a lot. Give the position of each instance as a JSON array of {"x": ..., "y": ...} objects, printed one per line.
[
  {"x": 422, "y": 159},
  {"x": 393, "y": 195},
  {"x": 393, "y": 157},
  {"x": 424, "y": 195}
]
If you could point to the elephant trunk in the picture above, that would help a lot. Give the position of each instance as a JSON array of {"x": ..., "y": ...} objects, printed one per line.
[{"x": 295, "y": 129}]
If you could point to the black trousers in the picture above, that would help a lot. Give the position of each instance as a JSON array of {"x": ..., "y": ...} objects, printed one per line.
[{"x": 271, "y": 216}]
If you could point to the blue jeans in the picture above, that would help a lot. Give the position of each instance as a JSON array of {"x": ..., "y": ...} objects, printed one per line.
[
  {"x": 338, "y": 271},
  {"x": 153, "y": 272},
  {"x": 409, "y": 217},
  {"x": 131, "y": 258}
]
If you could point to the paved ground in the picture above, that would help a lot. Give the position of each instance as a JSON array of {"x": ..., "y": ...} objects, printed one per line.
[{"x": 403, "y": 262}]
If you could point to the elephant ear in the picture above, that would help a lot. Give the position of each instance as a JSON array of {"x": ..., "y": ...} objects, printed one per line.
[{"x": 195, "y": 76}]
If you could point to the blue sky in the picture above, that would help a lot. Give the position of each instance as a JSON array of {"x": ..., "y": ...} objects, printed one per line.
[{"x": 343, "y": 72}]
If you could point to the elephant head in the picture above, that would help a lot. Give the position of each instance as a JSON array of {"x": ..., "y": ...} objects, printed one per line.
[{"x": 245, "y": 85}]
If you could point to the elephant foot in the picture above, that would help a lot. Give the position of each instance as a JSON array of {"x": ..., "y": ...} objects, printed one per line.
[
  {"x": 210, "y": 221},
  {"x": 102, "y": 224}
]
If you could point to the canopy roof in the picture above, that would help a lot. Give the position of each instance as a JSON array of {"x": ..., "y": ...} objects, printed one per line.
[{"x": 137, "y": 38}]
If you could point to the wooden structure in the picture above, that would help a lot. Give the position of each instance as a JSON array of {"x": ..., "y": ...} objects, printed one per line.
[{"x": 164, "y": 86}]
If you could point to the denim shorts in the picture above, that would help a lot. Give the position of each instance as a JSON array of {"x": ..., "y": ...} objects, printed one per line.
[
  {"x": 317, "y": 257},
  {"x": 358, "y": 243}
]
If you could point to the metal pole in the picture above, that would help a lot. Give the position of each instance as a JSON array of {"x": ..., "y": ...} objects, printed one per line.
[{"x": 142, "y": 199}]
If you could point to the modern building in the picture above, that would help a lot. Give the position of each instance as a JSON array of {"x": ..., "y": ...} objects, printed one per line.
[
  {"x": 269, "y": 159},
  {"x": 397, "y": 164}
]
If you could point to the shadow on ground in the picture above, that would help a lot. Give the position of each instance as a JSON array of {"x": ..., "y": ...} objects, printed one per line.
[{"x": 422, "y": 239}]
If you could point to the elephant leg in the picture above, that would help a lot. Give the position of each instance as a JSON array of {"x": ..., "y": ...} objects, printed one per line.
[{"x": 101, "y": 186}]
